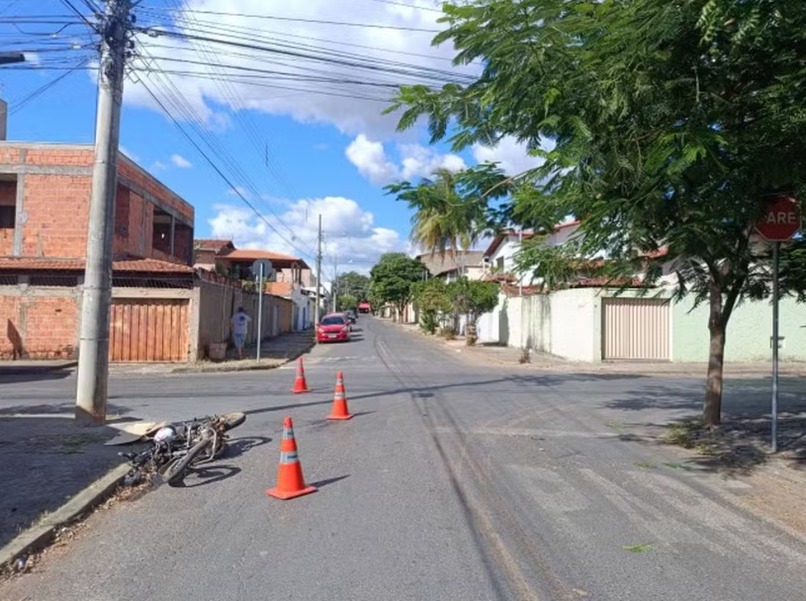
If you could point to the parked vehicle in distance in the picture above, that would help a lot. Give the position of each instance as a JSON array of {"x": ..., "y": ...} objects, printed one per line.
[
  {"x": 364, "y": 307},
  {"x": 351, "y": 315},
  {"x": 334, "y": 327}
]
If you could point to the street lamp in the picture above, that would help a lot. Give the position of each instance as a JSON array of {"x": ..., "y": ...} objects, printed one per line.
[{"x": 9, "y": 58}]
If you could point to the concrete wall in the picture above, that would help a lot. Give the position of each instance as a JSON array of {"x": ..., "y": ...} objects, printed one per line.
[
  {"x": 217, "y": 303},
  {"x": 568, "y": 324},
  {"x": 749, "y": 332}
]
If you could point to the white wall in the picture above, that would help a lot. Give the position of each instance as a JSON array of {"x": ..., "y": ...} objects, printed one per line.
[{"x": 565, "y": 323}]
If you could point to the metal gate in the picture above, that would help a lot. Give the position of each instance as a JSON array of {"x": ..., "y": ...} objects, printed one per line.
[
  {"x": 636, "y": 329},
  {"x": 146, "y": 330}
]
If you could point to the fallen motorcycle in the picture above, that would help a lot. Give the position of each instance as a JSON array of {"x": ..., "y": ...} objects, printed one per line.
[{"x": 176, "y": 448}]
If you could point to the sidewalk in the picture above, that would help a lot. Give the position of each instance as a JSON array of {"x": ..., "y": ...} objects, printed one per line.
[
  {"x": 45, "y": 460},
  {"x": 511, "y": 357},
  {"x": 273, "y": 353}
]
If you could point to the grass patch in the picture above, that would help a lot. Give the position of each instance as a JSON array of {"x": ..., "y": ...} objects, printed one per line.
[
  {"x": 645, "y": 465},
  {"x": 614, "y": 425},
  {"x": 642, "y": 548}
]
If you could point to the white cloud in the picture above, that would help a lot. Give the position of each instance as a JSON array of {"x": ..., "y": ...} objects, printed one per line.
[
  {"x": 313, "y": 88},
  {"x": 511, "y": 155},
  {"x": 179, "y": 161},
  {"x": 371, "y": 161},
  {"x": 239, "y": 192},
  {"x": 350, "y": 232},
  {"x": 419, "y": 161},
  {"x": 158, "y": 166},
  {"x": 416, "y": 161}
]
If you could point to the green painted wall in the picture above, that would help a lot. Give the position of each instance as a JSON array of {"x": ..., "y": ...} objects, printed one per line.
[{"x": 749, "y": 332}]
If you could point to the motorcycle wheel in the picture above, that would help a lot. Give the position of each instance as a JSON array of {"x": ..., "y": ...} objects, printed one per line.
[{"x": 174, "y": 473}]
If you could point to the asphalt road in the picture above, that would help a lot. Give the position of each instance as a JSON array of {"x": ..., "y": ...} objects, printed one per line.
[{"x": 453, "y": 482}]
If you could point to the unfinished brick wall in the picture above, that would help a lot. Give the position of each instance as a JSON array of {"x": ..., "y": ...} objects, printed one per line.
[
  {"x": 39, "y": 327},
  {"x": 56, "y": 211},
  {"x": 56, "y": 204},
  {"x": 154, "y": 187}
]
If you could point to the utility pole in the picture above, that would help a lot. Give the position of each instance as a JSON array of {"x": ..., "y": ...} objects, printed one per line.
[
  {"x": 318, "y": 276},
  {"x": 334, "y": 289},
  {"x": 93, "y": 353}
]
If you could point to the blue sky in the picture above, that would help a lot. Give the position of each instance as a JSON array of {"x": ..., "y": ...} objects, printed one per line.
[{"x": 305, "y": 139}]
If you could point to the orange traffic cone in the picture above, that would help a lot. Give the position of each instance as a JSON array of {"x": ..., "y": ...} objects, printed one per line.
[
  {"x": 300, "y": 385},
  {"x": 339, "y": 410},
  {"x": 290, "y": 482}
]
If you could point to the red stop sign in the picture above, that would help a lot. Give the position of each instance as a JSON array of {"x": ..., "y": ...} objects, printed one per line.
[{"x": 781, "y": 220}]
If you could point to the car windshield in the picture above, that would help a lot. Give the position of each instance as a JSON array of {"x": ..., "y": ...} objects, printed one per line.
[{"x": 332, "y": 321}]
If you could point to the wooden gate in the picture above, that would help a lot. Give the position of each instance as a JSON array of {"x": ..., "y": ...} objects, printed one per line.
[
  {"x": 636, "y": 329},
  {"x": 145, "y": 330}
]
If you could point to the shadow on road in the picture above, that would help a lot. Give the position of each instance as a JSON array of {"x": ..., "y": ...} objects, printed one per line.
[
  {"x": 326, "y": 481},
  {"x": 43, "y": 462},
  {"x": 238, "y": 446},
  {"x": 56, "y": 409},
  {"x": 200, "y": 476},
  {"x": 741, "y": 443},
  {"x": 540, "y": 380},
  {"x": 14, "y": 374}
]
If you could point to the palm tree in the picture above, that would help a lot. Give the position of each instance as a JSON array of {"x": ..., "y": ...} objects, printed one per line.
[{"x": 445, "y": 219}]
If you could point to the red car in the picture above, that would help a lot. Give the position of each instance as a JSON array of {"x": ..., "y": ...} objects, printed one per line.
[
  {"x": 364, "y": 307},
  {"x": 333, "y": 328}
]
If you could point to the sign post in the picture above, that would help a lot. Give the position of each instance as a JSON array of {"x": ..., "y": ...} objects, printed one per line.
[
  {"x": 781, "y": 221},
  {"x": 262, "y": 268}
]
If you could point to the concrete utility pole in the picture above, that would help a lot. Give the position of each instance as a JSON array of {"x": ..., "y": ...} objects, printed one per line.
[
  {"x": 334, "y": 289},
  {"x": 93, "y": 350},
  {"x": 318, "y": 276}
]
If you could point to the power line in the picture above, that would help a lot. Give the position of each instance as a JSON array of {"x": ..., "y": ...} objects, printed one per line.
[
  {"x": 235, "y": 189},
  {"x": 302, "y": 20},
  {"x": 435, "y": 10},
  {"x": 19, "y": 105}
]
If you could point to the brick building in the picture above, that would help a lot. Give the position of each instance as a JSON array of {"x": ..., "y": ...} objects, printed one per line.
[
  {"x": 162, "y": 308},
  {"x": 44, "y": 212}
]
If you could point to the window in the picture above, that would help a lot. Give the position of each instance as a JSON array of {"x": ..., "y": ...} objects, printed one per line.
[
  {"x": 8, "y": 216},
  {"x": 333, "y": 321}
]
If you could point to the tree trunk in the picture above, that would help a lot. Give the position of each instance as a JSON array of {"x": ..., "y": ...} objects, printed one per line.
[
  {"x": 712, "y": 406},
  {"x": 470, "y": 333}
]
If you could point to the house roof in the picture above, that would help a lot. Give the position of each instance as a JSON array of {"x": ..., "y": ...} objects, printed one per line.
[
  {"x": 280, "y": 288},
  {"x": 500, "y": 238},
  {"x": 247, "y": 254},
  {"x": 212, "y": 244},
  {"x": 132, "y": 265},
  {"x": 437, "y": 264}
]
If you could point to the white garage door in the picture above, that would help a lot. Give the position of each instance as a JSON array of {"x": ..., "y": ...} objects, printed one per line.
[{"x": 636, "y": 329}]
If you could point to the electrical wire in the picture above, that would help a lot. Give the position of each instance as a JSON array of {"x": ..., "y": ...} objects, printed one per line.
[
  {"x": 20, "y": 104},
  {"x": 302, "y": 20}
]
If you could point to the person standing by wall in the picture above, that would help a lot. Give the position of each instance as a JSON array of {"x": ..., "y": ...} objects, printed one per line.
[{"x": 240, "y": 327}]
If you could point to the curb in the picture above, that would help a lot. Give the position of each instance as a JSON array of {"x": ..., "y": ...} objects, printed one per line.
[
  {"x": 570, "y": 367},
  {"x": 224, "y": 368},
  {"x": 39, "y": 536}
]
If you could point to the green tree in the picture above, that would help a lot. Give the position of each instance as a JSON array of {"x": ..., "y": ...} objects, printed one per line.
[
  {"x": 392, "y": 280},
  {"x": 673, "y": 121},
  {"x": 347, "y": 301},
  {"x": 352, "y": 283},
  {"x": 450, "y": 212},
  {"x": 472, "y": 298},
  {"x": 432, "y": 300}
]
